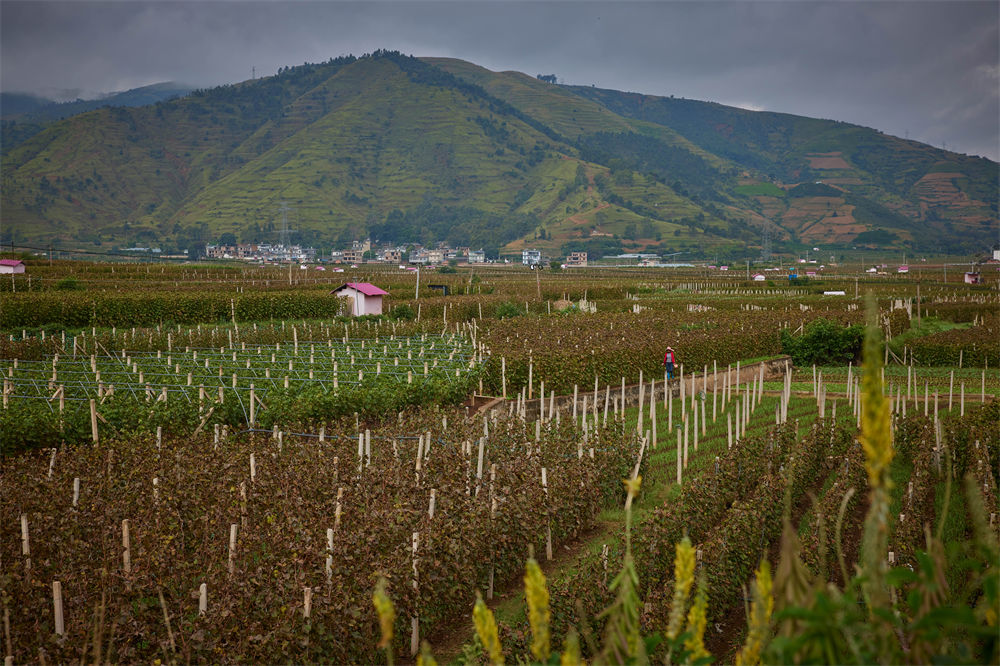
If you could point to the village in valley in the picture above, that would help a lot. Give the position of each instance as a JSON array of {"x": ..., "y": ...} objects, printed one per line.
[{"x": 365, "y": 251}]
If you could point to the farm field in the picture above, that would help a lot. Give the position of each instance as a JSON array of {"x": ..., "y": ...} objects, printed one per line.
[{"x": 226, "y": 471}]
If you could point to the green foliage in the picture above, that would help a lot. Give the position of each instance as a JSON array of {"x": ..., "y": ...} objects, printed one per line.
[
  {"x": 669, "y": 164},
  {"x": 823, "y": 342},
  {"x": 126, "y": 308},
  {"x": 402, "y": 312},
  {"x": 508, "y": 310},
  {"x": 761, "y": 189},
  {"x": 876, "y": 237},
  {"x": 68, "y": 283},
  {"x": 814, "y": 190}
]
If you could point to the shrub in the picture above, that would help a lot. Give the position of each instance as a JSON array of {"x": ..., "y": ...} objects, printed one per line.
[
  {"x": 402, "y": 312},
  {"x": 507, "y": 310},
  {"x": 823, "y": 342},
  {"x": 68, "y": 283}
]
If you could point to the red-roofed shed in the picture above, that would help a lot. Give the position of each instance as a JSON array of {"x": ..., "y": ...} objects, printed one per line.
[{"x": 365, "y": 298}]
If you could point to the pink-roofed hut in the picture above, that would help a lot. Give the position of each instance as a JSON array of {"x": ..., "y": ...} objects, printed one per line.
[
  {"x": 365, "y": 298},
  {"x": 11, "y": 266}
]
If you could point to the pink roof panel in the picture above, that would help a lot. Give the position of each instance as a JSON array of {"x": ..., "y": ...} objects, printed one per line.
[
  {"x": 365, "y": 288},
  {"x": 10, "y": 262}
]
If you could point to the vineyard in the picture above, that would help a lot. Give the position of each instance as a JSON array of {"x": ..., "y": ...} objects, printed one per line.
[
  {"x": 288, "y": 532},
  {"x": 218, "y": 486}
]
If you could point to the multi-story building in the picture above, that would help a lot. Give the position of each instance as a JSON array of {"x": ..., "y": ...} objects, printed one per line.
[
  {"x": 354, "y": 256},
  {"x": 391, "y": 256}
]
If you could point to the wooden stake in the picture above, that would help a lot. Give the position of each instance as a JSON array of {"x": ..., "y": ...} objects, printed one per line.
[
  {"x": 166, "y": 620},
  {"x": 25, "y": 542},
  {"x": 680, "y": 456},
  {"x": 951, "y": 389},
  {"x": 232, "y": 548},
  {"x": 414, "y": 620},
  {"x": 93, "y": 420},
  {"x": 126, "y": 548},
  {"x": 548, "y": 527},
  {"x": 57, "y": 607}
]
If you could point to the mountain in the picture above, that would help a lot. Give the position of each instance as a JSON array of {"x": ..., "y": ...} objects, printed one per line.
[
  {"x": 13, "y": 104},
  {"x": 427, "y": 150},
  {"x": 25, "y": 115}
]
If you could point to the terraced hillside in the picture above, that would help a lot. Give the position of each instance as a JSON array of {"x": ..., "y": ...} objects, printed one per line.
[{"x": 442, "y": 150}]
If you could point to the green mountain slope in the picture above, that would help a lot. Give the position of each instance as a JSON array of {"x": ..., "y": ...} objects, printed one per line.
[
  {"x": 919, "y": 193},
  {"x": 405, "y": 149},
  {"x": 24, "y": 116}
]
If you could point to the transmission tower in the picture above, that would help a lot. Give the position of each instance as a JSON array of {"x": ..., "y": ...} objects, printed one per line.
[
  {"x": 765, "y": 245},
  {"x": 284, "y": 232}
]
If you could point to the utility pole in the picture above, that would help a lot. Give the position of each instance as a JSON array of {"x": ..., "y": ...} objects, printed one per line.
[
  {"x": 284, "y": 233},
  {"x": 765, "y": 246},
  {"x": 416, "y": 296}
]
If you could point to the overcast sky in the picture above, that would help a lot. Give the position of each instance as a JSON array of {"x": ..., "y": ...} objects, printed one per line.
[{"x": 926, "y": 69}]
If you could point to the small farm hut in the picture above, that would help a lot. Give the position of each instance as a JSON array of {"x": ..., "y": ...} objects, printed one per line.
[
  {"x": 365, "y": 298},
  {"x": 11, "y": 266}
]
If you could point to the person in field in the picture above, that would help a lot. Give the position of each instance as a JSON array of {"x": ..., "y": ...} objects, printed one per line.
[{"x": 668, "y": 362}]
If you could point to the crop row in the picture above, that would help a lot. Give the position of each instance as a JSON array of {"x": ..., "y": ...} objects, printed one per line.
[{"x": 77, "y": 310}]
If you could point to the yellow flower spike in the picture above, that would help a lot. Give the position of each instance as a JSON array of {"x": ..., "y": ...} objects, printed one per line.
[
  {"x": 486, "y": 628},
  {"x": 876, "y": 440},
  {"x": 425, "y": 658},
  {"x": 876, "y": 435},
  {"x": 683, "y": 579},
  {"x": 571, "y": 650},
  {"x": 632, "y": 485},
  {"x": 632, "y": 488},
  {"x": 697, "y": 620},
  {"x": 386, "y": 613},
  {"x": 537, "y": 596},
  {"x": 760, "y": 618}
]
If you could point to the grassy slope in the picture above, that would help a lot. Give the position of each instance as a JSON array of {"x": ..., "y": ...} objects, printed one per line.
[{"x": 388, "y": 148}]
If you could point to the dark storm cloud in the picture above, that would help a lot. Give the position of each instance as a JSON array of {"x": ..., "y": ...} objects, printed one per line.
[{"x": 926, "y": 68}]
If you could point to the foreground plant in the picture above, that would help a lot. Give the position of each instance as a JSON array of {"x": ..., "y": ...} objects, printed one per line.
[{"x": 880, "y": 616}]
